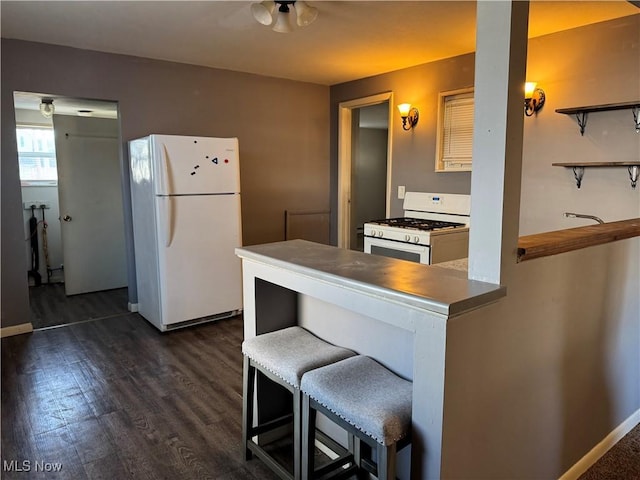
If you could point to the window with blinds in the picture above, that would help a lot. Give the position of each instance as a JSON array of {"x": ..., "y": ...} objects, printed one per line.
[
  {"x": 455, "y": 131},
  {"x": 36, "y": 155}
]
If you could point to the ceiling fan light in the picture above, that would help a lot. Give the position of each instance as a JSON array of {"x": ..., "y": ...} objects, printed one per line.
[
  {"x": 305, "y": 15},
  {"x": 263, "y": 12},
  {"x": 283, "y": 24},
  {"x": 46, "y": 107}
]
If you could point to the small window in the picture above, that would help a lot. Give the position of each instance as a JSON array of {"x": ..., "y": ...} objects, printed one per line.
[
  {"x": 455, "y": 131},
  {"x": 37, "y": 156}
]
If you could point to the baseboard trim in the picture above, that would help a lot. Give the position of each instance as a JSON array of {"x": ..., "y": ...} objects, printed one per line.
[
  {"x": 133, "y": 307},
  {"x": 16, "y": 330},
  {"x": 603, "y": 447}
]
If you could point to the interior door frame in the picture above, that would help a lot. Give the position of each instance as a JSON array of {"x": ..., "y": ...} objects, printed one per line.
[{"x": 345, "y": 160}]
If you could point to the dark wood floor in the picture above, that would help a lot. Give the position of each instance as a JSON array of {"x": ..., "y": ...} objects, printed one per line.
[
  {"x": 115, "y": 398},
  {"x": 50, "y": 306}
]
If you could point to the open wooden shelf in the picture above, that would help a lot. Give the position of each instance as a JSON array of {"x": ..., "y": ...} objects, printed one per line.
[
  {"x": 578, "y": 169},
  {"x": 596, "y": 164},
  {"x": 599, "y": 108},
  {"x": 581, "y": 113}
]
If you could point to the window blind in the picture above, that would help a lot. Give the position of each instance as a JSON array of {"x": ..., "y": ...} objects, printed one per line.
[{"x": 457, "y": 134}]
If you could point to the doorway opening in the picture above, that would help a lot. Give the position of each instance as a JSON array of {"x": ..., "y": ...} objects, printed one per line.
[
  {"x": 69, "y": 158},
  {"x": 364, "y": 166}
]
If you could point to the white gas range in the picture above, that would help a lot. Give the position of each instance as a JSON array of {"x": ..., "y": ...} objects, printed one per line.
[{"x": 434, "y": 229}]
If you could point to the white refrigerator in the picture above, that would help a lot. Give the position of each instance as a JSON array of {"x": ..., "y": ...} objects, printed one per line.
[{"x": 185, "y": 194}]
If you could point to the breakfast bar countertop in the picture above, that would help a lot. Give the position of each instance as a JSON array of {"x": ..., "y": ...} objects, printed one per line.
[{"x": 438, "y": 290}]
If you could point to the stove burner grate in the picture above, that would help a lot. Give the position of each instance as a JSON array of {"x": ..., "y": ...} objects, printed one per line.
[{"x": 416, "y": 223}]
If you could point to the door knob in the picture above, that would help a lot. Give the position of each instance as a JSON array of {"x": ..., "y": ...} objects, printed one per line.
[{"x": 67, "y": 218}]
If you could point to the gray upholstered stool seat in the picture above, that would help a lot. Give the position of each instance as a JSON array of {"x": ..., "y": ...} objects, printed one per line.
[
  {"x": 283, "y": 356},
  {"x": 366, "y": 399}
]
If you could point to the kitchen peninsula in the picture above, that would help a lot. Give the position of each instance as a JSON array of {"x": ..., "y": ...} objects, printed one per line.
[{"x": 392, "y": 310}]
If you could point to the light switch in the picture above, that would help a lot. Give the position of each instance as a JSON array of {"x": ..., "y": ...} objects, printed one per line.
[{"x": 401, "y": 192}]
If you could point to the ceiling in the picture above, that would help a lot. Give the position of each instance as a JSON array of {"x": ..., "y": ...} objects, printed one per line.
[{"x": 348, "y": 41}]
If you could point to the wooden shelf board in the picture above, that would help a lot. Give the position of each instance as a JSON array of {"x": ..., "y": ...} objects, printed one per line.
[
  {"x": 599, "y": 108},
  {"x": 561, "y": 241},
  {"x": 596, "y": 164}
]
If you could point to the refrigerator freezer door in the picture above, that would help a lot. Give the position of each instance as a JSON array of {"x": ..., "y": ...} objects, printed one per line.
[
  {"x": 199, "y": 273},
  {"x": 195, "y": 165}
]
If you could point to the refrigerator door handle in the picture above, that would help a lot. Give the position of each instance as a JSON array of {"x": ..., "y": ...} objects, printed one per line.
[
  {"x": 167, "y": 173},
  {"x": 167, "y": 215}
]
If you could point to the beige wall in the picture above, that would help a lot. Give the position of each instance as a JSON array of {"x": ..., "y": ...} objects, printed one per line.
[{"x": 282, "y": 126}]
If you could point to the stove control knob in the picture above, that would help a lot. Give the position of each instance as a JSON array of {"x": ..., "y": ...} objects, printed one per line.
[
  {"x": 380, "y": 233},
  {"x": 416, "y": 239},
  {"x": 407, "y": 238}
]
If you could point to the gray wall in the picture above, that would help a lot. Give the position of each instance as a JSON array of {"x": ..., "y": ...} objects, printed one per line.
[
  {"x": 413, "y": 152},
  {"x": 593, "y": 65},
  {"x": 533, "y": 382},
  {"x": 584, "y": 66},
  {"x": 282, "y": 127},
  {"x": 370, "y": 183}
]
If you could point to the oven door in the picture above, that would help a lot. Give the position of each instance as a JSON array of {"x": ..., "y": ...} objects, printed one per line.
[{"x": 400, "y": 250}]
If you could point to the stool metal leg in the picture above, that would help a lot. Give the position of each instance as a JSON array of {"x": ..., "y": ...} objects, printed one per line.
[
  {"x": 248, "y": 382},
  {"x": 308, "y": 439},
  {"x": 355, "y": 446},
  {"x": 297, "y": 434}
]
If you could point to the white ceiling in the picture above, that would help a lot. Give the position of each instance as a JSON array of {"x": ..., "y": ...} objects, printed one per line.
[{"x": 348, "y": 41}]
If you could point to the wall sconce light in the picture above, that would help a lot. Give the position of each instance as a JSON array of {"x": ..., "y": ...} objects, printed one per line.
[
  {"x": 46, "y": 107},
  {"x": 533, "y": 98},
  {"x": 409, "y": 115}
]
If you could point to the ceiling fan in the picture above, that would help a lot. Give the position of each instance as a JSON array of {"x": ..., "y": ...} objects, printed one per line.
[{"x": 277, "y": 14}]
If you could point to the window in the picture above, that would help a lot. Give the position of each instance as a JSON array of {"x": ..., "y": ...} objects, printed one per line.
[
  {"x": 455, "y": 131},
  {"x": 37, "y": 156}
]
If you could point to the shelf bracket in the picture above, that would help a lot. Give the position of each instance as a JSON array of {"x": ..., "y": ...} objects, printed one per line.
[
  {"x": 636, "y": 114},
  {"x": 582, "y": 122},
  {"x": 633, "y": 175},
  {"x": 578, "y": 173}
]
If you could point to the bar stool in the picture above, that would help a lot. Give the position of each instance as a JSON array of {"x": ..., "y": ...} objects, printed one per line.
[
  {"x": 283, "y": 357},
  {"x": 368, "y": 401}
]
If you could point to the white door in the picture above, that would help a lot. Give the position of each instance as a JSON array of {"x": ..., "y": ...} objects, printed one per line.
[
  {"x": 90, "y": 196},
  {"x": 199, "y": 272}
]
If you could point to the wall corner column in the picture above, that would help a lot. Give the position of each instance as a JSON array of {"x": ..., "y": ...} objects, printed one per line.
[{"x": 500, "y": 67}]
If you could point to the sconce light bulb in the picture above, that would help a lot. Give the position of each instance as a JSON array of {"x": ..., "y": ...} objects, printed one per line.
[
  {"x": 404, "y": 109},
  {"x": 529, "y": 88}
]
